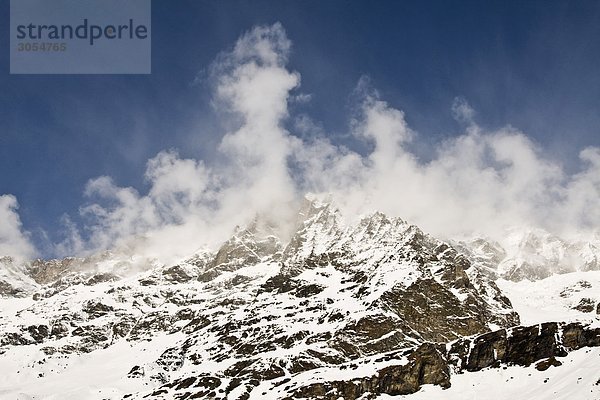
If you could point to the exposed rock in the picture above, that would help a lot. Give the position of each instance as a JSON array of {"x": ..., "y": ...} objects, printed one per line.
[
  {"x": 575, "y": 336},
  {"x": 38, "y": 332},
  {"x": 520, "y": 346},
  {"x": 426, "y": 365},
  {"x": 59, "y": 329},
  {"x": 585, "y": 305},
  {"x": 488, "y": 350},
  {"x": 577, "y": 287},
  {"x": 8, "y": 290},
  {"x": 96, "y": 309},
  {"x": 177, "y": 274},
  {"x": 136, "y": 372},
  {"x": 48, "y": 271},
  {"x": 545, "y": 364},
  {"x": 101, "y": 278},
  {"x": 14, "y": 281},
  {"x": 122, "y": 327}
]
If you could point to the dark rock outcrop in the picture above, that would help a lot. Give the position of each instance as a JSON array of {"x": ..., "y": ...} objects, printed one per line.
[
  {"x": 426, "y": 365},
  {"x": 585, "y": 305},
  {"x": 545, "y": 364},
  {"x": 575, "y": 336},
  {"x": 521, "y": 345}
]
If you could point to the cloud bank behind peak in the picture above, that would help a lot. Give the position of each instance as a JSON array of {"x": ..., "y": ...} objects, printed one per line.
[{"x": 477, "y": 183}]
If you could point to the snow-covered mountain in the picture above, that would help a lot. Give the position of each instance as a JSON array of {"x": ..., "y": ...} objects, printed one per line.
[
  {"x": 366, "y": 309},
  {"x": 533, "y": 254}
]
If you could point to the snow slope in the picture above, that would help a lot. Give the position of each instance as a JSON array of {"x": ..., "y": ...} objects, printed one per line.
[{"x": 554, "y": 298}]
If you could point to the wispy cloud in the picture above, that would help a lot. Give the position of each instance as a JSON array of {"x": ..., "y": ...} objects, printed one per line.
[{"x": 462, "y": 111}]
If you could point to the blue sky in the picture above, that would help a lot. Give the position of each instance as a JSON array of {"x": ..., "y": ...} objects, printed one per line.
[{"x": 532, "y": 65}]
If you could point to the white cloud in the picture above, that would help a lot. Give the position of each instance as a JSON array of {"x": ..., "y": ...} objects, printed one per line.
[
  {"x": 13, "y": 240},
  {"x": 189, "y": 204},
  {"x": 478, "y": 182},
  {"x": 582, "y": 194}
]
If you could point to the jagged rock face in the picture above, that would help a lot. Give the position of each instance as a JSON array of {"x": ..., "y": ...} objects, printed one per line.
[
  {"x": 576, "y": 336},
  {"x": 436, "y": 282},
  {"x": 426, "y": 366},
  {"x": 257, "y": 243},
  {"x": 45, "y": 278},
  {"x": 522, "y": 345},
  {"x": 242, "y": 319},
  {"x": 49, "y": 271}
]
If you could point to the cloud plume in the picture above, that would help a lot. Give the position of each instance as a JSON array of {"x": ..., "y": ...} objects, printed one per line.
[{"x": 189, "y": 204}]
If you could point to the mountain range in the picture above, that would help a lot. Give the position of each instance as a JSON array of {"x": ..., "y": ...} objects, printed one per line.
[{"x": 369, "y": 309}]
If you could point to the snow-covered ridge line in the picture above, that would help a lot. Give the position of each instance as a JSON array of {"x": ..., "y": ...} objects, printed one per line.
[{"x": 524, "y": 254}]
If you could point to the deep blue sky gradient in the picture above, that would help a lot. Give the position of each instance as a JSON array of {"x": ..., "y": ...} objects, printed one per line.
[{"x": 532, "y": 64}]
